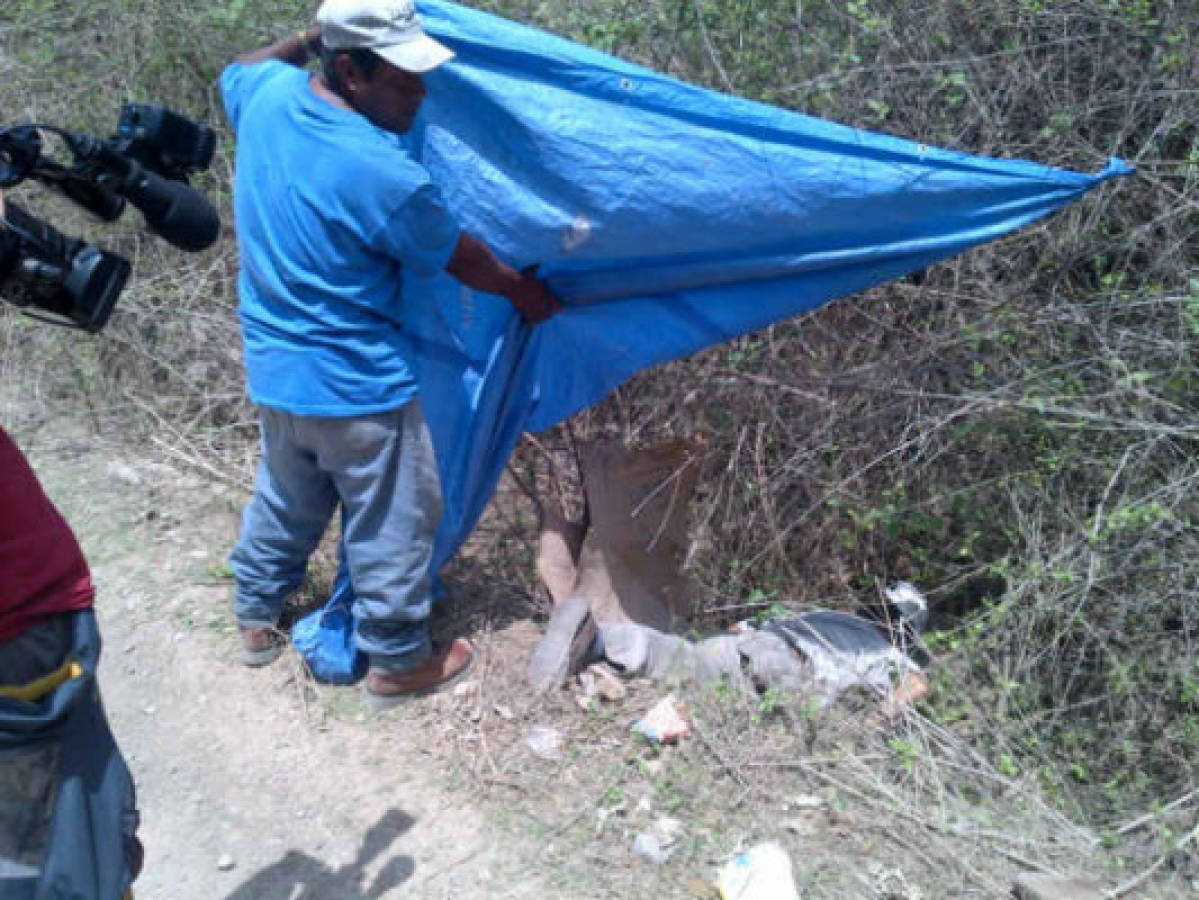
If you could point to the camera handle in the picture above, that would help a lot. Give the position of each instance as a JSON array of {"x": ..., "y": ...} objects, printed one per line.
[{"x": 173, "y": 210}]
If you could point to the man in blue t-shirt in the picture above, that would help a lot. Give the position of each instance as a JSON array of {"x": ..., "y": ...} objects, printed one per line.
[{"x": 330, "y": 208}]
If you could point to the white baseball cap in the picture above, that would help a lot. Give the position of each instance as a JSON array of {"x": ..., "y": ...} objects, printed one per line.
[{"x": 391, "y": 28}]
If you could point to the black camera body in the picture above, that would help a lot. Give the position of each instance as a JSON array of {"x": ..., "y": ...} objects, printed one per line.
[
  {"x": 41, "y": 268},
  {"x": 146, "y": 163},
  {"x": 163, "y": 141}
]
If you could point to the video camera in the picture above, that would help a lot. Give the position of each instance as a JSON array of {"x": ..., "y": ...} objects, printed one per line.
[{"x": 147, "y": 163}]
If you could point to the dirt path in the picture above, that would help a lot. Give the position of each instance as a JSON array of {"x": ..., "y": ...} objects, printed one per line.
[{"x": 248, "y": 788}]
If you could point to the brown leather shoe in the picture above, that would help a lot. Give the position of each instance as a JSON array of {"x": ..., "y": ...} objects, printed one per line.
[
  {"x": 385, "y": 688},
  {"x": 260, "y": 646}
]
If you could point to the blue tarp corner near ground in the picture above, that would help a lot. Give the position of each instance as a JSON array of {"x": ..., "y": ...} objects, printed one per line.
[{"x": 668, "y": 217}]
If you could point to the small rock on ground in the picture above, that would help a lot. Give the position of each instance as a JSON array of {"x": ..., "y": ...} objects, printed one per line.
[{"x": 1052, "y": 887}]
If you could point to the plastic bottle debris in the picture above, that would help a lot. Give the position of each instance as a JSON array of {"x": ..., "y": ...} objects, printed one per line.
[
  {"x": 664, "y": 723},
  {"x": 909, "y": 603},
  {"x": 659, "y": 843},
  {"x": 805, "y": 801},
  {"x": 760, "y": 873},
  {"x": 647, "y": 847},
  {"x": 545, "y": 742}
]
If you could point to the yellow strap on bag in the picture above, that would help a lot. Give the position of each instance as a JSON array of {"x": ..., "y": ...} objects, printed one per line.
[{"x": 36, "y": 690}]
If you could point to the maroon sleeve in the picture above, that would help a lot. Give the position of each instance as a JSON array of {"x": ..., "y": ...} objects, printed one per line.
[{"x": 42, "y": 569}]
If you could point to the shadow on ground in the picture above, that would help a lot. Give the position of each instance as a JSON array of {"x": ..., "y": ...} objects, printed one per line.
[
  {"x": 472, "y": 596},
  {"x": 298, "y": 874},
  {"x": 475, "y": 600}
]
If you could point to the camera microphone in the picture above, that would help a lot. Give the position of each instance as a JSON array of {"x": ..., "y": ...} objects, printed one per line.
[{"x": 176, "y": 212}]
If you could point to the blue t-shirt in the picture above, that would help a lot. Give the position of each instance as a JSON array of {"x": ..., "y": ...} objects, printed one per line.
[{"x": 329, "y": 210}]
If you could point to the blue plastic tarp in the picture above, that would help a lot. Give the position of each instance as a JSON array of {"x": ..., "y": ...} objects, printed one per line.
[{"x": 668, "y": 217}]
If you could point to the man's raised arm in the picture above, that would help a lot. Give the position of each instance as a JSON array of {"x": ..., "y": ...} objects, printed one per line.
[{"x": 295, "y": 50}]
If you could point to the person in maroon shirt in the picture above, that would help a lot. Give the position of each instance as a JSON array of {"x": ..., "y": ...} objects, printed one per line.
[{"x": 43, "y": 574}]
